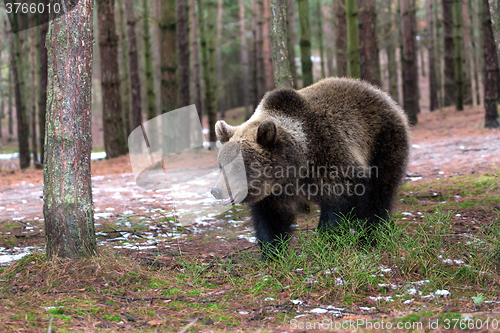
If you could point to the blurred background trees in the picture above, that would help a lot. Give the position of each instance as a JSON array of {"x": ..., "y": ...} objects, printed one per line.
[{"x": 153, "y": 56}]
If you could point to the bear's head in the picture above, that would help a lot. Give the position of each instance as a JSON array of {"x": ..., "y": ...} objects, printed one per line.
[{"x": 261, "y": 150}]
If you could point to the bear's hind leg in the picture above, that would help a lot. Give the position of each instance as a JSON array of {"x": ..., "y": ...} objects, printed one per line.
[{"x": 272, "y": 221}]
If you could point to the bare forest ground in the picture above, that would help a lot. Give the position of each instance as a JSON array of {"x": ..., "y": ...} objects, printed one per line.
[{"x": 173, "y": 275}]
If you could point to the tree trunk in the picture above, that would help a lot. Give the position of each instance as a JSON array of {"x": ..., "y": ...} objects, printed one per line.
[
  {"x": 207, "y": 26},
  {"x": 457, "y": 51},
  {"x": 255, "y": 54},
  {"x": 341, "y": 38},
  {"x": 491, "y": 69},
  {"x": 67, "y": 202},
  {"x": 319, "y": 12},
  {"x": 125, "y": 75},
  {"x": 292, "y": 40},
  {"x": 468, "y": 100},
  {"x": 305, "y": 43},
  {"x": 244, "y": 58},
  {"x": 133, "y": 58},
  {"x": 450, "y": 86},
  {"x": 10, "y": 107},
  {"x": 2, "y": 91},
  {"x": 439, "y": 53},
  {"x": 42, "y": 100},
  {"x": 150, "y": 85},
  {"x": 282, "y": 74},
  {"x": 434, "y": 105},
  {"x": 476, "y": 31},
  {"x": 369, "y": 60},
  {"x": 266, "y": 45},
  {"x": 115, "y": 142},
  {"x": 353, "y": 64},
  {"x": 168, "y": 69},
  {"x": 183, "y": 52},
  {"x": 19, "y": 89},
  {"x": 410, "y": 69},
  {"x": 391, "y": 52},
  {"x": 220, "y": 85},
  {"x": 33, "y": 87},
  {"x": 261, "y": 77},
  {"x": 195, "y": 58}
]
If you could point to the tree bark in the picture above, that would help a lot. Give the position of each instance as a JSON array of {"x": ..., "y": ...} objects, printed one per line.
[
  {"x": 353, "y": 65},
  {"x": 410, "y": 69},
  {"x": 457, "y": 51},
  {"x": 33, "y": 88},
  {"x": 434, "y": 105},
  {"x": 42, "y": 99},
  {"x": 491, "y": 69},
  {"x": 244, "y": 58},
  {"x": 266, "y": 45},
  {"x": 369, "y": 60},
  {"x": 19, "y": 89},
  {"x": 183, "y": 52},
  {"x": 282, "y": 74},
  {"x": 125, "y": 74},
  {"x": 115, "y": 143},
  {"x": 67, "y": 208},
  {"x": 292, "y": 40},
  {"x": 150, "y": 86},
  {"x": 319, "y": 13},
  {"x": 341, "y": 38},
  {"x": 169, "y": 84},
  {"x": 468, "y": 100},
  {"x": 10, "y": 117},
  {"x": 450, "y": 86},
  {"x": 207, "y": 26},
  {"x": 195, "y": 58},
  {"x": 220, "y": 86},
  {"x": 305, "y": 43},
  {"x": 261, "y": 77}
]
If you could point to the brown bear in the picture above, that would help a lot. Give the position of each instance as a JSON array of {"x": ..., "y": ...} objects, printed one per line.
[{"x": 340, "y": 143}]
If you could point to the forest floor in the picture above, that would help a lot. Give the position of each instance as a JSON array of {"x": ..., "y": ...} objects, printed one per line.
[{"x": 438, "y": 266}]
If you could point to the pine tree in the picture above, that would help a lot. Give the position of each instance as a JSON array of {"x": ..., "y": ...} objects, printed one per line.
[
  {"x": 353, "y": 64},
  {"x": 115, "y": 143},
  {"x": 182, "y": 31},
  {"x": 434, "y": 105},
  {"x": 457, "y": 51},
  {"x": 148, "y": 57},
  {"x": 244, "y": 58},
  {"x": 341, "y": 38},
  {"x": 491, "y": 70},
  {"x": 292, "y": 40},
  {"x": 125, "y": 74},
  {"x": 42, "y": 100},
  {"x": 369, "y": 60},
  {"x": 450, "y": 87},
  {"x": 169, "y": 85},
  {"x": 67, "y": 196},
  {"x": 282, "y": 74},
  {"x": 305, "y": 43},
  {"x": 195, "y": 58}
]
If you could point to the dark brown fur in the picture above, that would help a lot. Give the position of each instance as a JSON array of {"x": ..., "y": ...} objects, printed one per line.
[{"x": 337, "y": 122}]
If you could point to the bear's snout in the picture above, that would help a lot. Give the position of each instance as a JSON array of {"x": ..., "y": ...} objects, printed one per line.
[{"x": 216, "y": 192}]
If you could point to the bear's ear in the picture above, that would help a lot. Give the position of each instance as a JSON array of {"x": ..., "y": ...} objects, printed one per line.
[
  {"x": 223, "y": 131},
  {"x": 266, "y": 133}
]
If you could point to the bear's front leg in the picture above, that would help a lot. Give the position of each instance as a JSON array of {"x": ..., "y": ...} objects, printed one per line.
[{"x": 272, "y": 221}]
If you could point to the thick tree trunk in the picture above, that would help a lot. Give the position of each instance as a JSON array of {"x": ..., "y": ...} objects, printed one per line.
[
  {"x": 305, "y": 43},
  {"x": 207, "y": 26},
  {"x": 10, "y": 117},
  {"x": 390, "y": 27},
  {"x": 67, "y": 197},
  {"x": 2, "y": 91},
  {"x": 410, "y": 68},
  {"x": 292, "y": 40},
  {"x": 434, "y": 105},
  {"x": 458, "y": 51},
  {"x": 150, "y": 85},
  {"x": 476, "y": 31},
  {"x": 353, "y": 64},
  {"x": 450, "y": 86},
  {"x": 125, "y": 74},
  {"x": 42, "y": 99},
  {"x": 369, "y": 60},
  {"x": 133, "y": 58},
  {"x": 195, "y": 58},
  {"x": 183, "y": 52},
  {"x": 261, "y": 77},
  {"x": 341, "y": 38},
  {"x": 255, "y": 54},
  {"x": 282, "y": 74},
  {"x": 21, "y": 112},
  {"x": 439, "y": 53},
  {"x": 169, "y": 85},
  {"x": 115, "y": 142},
  {"x": 491, "y": 69},
  {"x": 244, "y": 58}
]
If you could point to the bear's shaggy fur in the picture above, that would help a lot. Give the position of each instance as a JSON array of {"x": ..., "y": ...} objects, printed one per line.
[{"x": 336, "y": 134}]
